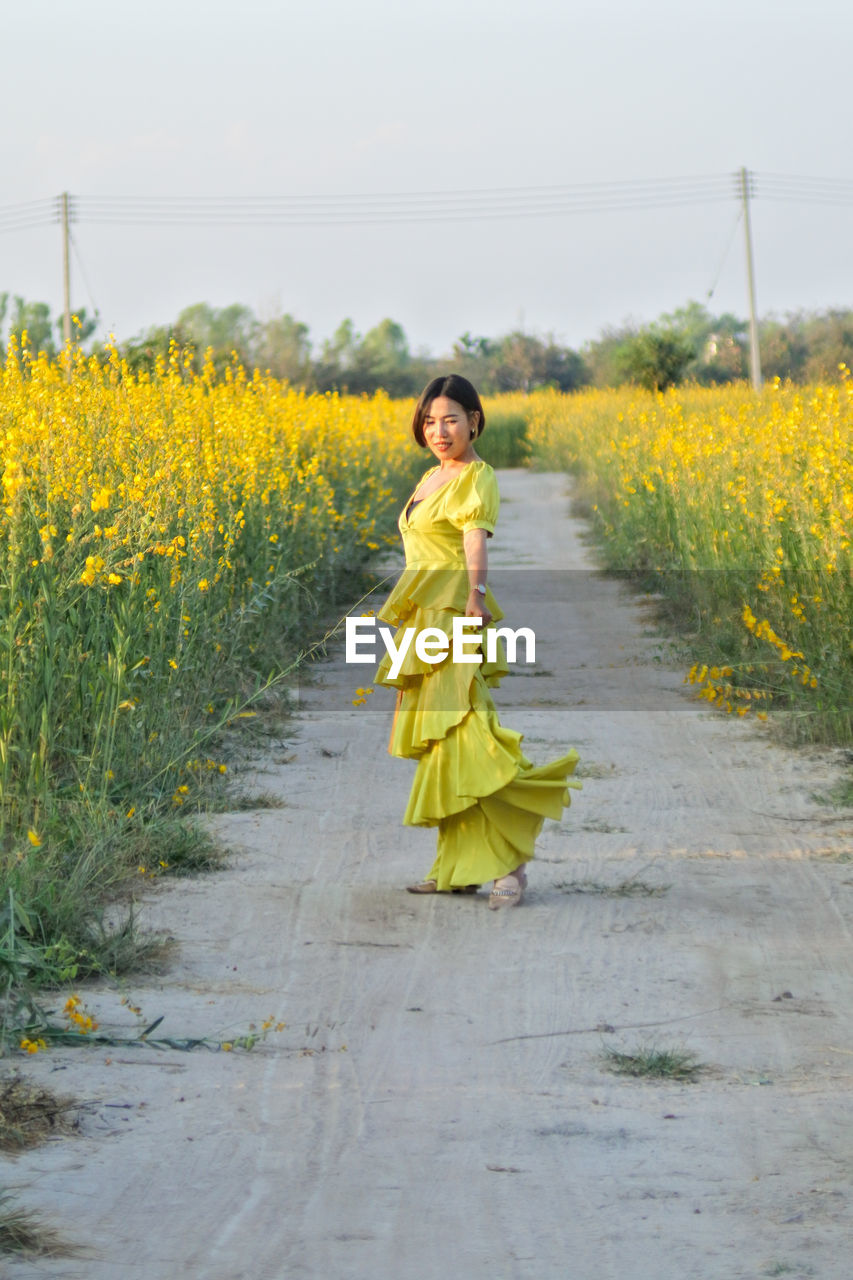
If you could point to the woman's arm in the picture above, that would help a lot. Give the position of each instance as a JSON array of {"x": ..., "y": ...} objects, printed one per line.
[{"x": 476, "y": 559}]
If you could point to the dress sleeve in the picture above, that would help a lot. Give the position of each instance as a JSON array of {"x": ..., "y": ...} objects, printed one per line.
[{"x": 475, "y": 501}]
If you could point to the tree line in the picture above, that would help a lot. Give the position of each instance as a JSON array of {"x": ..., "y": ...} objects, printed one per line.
[{"x": 690, "y": 344}]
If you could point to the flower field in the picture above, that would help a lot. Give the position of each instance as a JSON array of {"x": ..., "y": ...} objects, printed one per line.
[
  {"x": 171, "y": 542},
  {"x": 739, "y": 509},
  {"x": 166, "y": 542}
]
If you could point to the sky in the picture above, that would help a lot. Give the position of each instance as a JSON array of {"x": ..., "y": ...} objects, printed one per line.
[{"x": 334, "y": 97}]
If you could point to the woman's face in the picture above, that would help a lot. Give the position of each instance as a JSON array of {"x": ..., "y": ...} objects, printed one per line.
[{"x": 447, "y": 430}]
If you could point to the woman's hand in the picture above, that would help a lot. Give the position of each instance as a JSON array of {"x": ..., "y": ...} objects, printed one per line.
[{"x": 476, "y": 607}]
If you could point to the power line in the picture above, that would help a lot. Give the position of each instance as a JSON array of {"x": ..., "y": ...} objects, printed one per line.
[
  {"x": 479, "y": 204},
  {"x": 485, "y": 193},
  {"x": 451, "y": 205},
  {"x": 788, "y": 187},
  {"x": 436, "y": 206},
  {"x": 29, "y": 213},
  {"x": 364, "y": 208}
]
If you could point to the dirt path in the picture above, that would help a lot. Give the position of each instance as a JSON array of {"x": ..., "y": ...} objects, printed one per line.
[{"x": 438, "y": 1104}]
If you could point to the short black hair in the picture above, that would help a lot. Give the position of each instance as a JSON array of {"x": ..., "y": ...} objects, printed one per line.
[{"x": 455, "y": 387}]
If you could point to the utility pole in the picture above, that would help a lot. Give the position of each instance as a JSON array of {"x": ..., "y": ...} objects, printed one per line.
[
  {"x": 754, "y": 353},
  {"x": 66, "y": 271},
  {"x": 65, "y": 283}
]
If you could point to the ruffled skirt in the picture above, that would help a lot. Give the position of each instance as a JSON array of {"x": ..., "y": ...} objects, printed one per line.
[{"x": 473, "y": 781}]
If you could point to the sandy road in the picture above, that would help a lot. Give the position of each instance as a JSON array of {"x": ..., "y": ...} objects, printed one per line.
[{"x": 438, "y": 1104}]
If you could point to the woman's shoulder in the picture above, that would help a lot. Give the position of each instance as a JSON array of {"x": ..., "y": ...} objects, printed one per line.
[
  {"x": 474, "y": 477},
  {"x": 478, "y": 472},
  {"x": 474, "y": 500},
  {"x": 481, "y": 476}
]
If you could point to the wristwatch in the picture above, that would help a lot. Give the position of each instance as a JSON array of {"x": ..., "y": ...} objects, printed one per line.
[{"x": 479, "y": 586}]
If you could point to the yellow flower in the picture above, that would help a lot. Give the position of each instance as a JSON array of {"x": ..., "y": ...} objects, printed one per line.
[
  {"x": 34, "y": 838},
  {"x": 32, "y": 1046}
]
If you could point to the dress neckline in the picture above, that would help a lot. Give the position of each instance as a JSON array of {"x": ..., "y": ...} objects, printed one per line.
[{"x": 413, "y": 501}]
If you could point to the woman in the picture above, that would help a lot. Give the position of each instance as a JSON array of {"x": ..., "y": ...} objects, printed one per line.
[{"x": 472, "y": 780}]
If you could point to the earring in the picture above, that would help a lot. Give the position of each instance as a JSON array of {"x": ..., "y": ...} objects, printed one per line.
[{"x": 474, "y": 433}]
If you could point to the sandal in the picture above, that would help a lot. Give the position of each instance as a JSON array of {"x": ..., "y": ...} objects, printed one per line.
[{"x": 508, "y": 895}]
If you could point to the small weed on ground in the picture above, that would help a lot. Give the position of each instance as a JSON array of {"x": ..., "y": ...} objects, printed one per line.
[
  {"x": 655, "y": 1063},
  {"x": 594, "y": 769},
  {"x": 840, "y": 796},
  {"x": 22, "y": 1231},
  {"x": 245, "y": 801},
  {"x": 29, "y": 1114}
]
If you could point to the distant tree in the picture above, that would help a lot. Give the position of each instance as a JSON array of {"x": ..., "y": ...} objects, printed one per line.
[
  {"x": 338, "y": 357},
  {"x": 722, "y": 357},
  {"x": 519, "y": 365},
  {"x": 829, "y": 339},
  {"x": 32, "y": 318},
  {"x": 518, "y": 361},
  {"x": 718, "y": 343},
  {"x": 687, "y": 344},
  {"x": 225, "y": 330},
  {"x": 361, "y": 365},
  {"x": 384, "y": 360},
  {"x": 82, "y": 327},
  {"x": 783, "y": 347},
  {"x": 474, "y": 358},
  {"x": 563, "y": 368},
  {"x": 605, "y": 357},
  {"x": 282, "y": 346},
  {"x": 469, "y": 348},
  {"x": 657, "y": 358},
  {"x": 142, "y": 351},
  {"x": 35, "y": 318}
]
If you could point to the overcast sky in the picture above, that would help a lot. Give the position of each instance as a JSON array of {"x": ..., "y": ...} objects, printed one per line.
[{"x": 271, "y": 97}]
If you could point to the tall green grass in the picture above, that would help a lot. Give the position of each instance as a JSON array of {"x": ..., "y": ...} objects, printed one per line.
[{"x": 169, "y": 545}]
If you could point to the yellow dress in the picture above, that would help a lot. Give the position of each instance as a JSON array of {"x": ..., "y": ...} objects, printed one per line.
[{"x": 472, "y": 780}]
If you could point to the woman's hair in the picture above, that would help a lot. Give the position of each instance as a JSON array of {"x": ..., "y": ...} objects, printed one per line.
[{"x": 455, "y": 387}]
